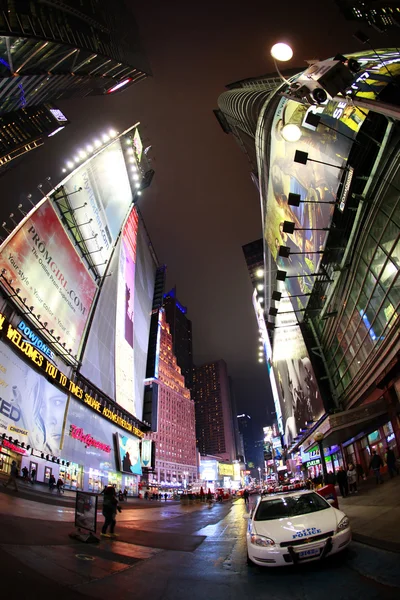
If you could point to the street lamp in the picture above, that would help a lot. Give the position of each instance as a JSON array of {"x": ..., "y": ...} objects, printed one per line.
[{"x": 283, "y": 53}]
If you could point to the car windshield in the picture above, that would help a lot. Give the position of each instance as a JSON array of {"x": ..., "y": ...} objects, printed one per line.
[{"x": 289, "y": 506}]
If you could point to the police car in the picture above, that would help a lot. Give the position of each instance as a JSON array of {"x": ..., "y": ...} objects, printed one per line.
[{"x": 295, "y": 527}]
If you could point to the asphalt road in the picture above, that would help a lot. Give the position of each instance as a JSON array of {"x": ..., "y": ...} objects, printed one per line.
[{"x": 188, "y": 553}]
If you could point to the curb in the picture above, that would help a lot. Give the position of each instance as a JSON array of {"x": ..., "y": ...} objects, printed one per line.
[{"x": 376, "y": 543}]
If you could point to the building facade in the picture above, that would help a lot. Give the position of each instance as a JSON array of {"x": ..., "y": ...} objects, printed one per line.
[
  {"x": 174, "y": 434},
  {"x": 332, "y": 234},
  {"x": 214, "y": 421},
  {"x": 53, "y": 50},
  {"x": 181, "y": 330},
  {"x": 27, "y": 129},
  {"x": 380, "y": 14}
]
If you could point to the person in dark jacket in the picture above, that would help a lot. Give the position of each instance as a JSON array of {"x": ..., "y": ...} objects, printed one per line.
[
  {"x": 246, "y": 496},
  {"x": 110, "y": 507},
  {"x": 341, "y": 478},
  {"x": 376, "y": 464},
  {"x": 391, "y": 462}
]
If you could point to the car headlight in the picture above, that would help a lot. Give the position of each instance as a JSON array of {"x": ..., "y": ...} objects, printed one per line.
[
  {"x": 344, "y": 524},
  {"x": 260, "y": 540}
]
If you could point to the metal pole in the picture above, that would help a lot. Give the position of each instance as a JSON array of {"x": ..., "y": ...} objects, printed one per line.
[{"x": 323, "y": 463}]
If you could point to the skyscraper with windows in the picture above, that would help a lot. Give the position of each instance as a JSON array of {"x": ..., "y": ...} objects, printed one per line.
[
  {"x": 181, "y": 331},
  {"x": 52, "y": 50},
  {"x": 27, "y": 129},
  {"x": 174, "y": 426},
  {"x": 380, "y": 14},
  {"x": 214, "y": 422}
]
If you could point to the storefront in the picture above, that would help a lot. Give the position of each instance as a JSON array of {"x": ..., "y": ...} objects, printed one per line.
[
  {"x": 8, "y": 453},
  {"x": 359, "y": 451}
]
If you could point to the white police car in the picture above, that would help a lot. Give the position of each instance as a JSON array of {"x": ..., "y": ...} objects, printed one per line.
[{"x": 295, "y": 527}]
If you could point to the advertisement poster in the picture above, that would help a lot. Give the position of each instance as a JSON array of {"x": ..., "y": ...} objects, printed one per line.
[
  {"x": 103, "y": 201},
  {"x": 42, "y": 262},
  {"x": 124, "y": 334},
  {"x": 129, "y": 454},
  {"x": 146, "y": 453},
  {"x": 86, "y": 511},
  {"x": 31, "y": 409},
  {"x": 300, "y": 398}
]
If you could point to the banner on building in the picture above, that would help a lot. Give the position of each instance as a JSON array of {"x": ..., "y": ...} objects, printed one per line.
[
  {"x": 42, "y": 263},
  {"x": 31, "y": 408},
  {"x": 128, "y": 450},
  {"x": 147, "y": 446}
]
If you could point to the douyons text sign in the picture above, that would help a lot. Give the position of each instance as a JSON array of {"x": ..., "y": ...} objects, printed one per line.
[
  {"x": 42, "y": 262},
  {"x": 12, "y": 336}
]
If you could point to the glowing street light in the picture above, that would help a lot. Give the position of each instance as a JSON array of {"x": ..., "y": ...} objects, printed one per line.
[{"x": 281, "y": 52}]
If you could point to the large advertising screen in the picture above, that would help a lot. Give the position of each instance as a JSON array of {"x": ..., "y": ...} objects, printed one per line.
[
  {"x": 31, "y": 409},
  {"x": 42, "y": 262},
  {"x": 318, "y": 180},
  {"x": 124, "y": 331},
  {"x": 300, "y": 398},
  {"x": 103, "y": 200},
  {"x": 129, "y": 454}
]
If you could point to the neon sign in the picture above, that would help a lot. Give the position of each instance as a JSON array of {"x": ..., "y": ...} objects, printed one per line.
[
  {"x": 78, "y": 434},
  {"x": 13, "y": 447}
]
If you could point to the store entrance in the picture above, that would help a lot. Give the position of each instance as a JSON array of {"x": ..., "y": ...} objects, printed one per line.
[{"x": 72, "y": 476}]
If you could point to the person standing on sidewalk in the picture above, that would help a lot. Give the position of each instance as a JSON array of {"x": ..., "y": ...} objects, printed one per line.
[
  {"x": 341, "y": 478},
  {"x": 13, "y": 476},
  {"x": 33, "y": 476},
  {"x": 391, "y": 462},
  {"x": 110, "y": 507},
  {"x": 352, "y": 479},
  {"x": 246, "y": 496},
  {"x": 376, "y": 464}
]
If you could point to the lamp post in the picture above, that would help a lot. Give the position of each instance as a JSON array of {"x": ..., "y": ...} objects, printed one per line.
[{"x": 318, "y": 437}]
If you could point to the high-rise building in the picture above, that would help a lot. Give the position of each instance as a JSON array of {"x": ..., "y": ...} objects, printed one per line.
[
  {"x": 380, "y": 14},
  {"x": 332, "y": 234},
  {"x": 174, "y": 426},
  {"x": 25, "y": 130},
  {"x": 214, "y": 422},
  {"x": 181, "y": 331},
  {"x": 52, "y": 50}
]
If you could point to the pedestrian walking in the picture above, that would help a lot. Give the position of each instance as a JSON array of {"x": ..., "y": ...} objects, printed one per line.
[
  {"x": 246, "y": 496},
  {"x": 341, "y": 478},
  {"x": 391, "y": 462},
  {"x": 352, "y": 479},
  {"x": 376, "y": 464},
  {"x": 25, "y": 473},
  {"x": 60, "y": 485},
  {"x": 13, "y": 476},
  {"x": 165, "y": 496},
  {"x": 52, "y": 482},
  {"x": 110, "y": 507},
  {"x": 33, "y": 476}
]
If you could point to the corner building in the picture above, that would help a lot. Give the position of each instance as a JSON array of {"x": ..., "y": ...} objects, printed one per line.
[{"x": 174, "y": 436}]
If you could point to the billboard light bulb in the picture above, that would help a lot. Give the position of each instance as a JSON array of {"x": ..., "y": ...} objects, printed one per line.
[
  {"x": 260, "y": 287},
  {"x": 131, "y": 159},
  {"x": 291, "y": 132},
  {"x": 139, "y": 193},
  {"x": 97, "y": 143},
  {"x": 89, "y": 148},
  {"x": 105, "y": 138},
  {"x": 64, "y": 170},
  {"x": 260, "y": 360},
  {"x": 260, "y": 273},
  {"x": 136, "y": 177},
  {"x": 82, "y": 154},
  {"x": 70, "y": 164},
  {"x": 77, "y": 159},
  {"x": 137, "y": 185},
  {"x": 130, "y": 150},
  {"x": 112, "y": 133}
]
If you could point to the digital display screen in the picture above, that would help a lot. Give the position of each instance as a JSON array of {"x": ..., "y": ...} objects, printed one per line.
[{"x": 129, "y": 454}]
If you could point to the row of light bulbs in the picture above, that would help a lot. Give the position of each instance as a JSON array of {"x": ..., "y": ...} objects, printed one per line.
[{"x": 82, "y": 155}]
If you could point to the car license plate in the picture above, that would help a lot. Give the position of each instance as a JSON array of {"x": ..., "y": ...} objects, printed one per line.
[{"x": 309, "y": 552}]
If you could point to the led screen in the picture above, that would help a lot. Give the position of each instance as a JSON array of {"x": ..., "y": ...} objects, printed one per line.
[
  {"x": 129, "y": 454},
  {"x": 41, "y": 261},
  {"x": 103, "y": 201}
]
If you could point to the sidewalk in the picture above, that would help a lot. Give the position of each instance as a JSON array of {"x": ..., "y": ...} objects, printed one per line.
[
  {"x": 375, "y": 513},
  {"x": 41, "y": 493}
]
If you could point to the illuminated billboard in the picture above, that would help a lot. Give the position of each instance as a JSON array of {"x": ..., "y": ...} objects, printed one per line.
[
  {"x": 31, "y": 409},
  {"x": 100, "y": 194},
  {"x": 128, "y": 450},
  {"x": 124, "y": 330},
  {"x": 285, "y": 183},
  {"x": 300, "y": 399},
  {"x": 43, "y": 264}
]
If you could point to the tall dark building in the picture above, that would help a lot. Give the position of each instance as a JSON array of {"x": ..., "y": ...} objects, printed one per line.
[
  {"x": 380, "y": 14},
  {"x": 246, "y": 431},
  {"x": 26, "y": 129},
  {"x": 64, "y": 49},
  {"x": 181, "y": 331},
  {"x": 213, "y": 410}
]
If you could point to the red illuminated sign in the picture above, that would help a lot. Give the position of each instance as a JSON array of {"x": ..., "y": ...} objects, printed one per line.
[
  {"x": 78, "y": 434},
  {"x": 13, "y": 447}
]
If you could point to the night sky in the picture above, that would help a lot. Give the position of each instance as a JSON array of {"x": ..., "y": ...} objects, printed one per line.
[{"x": 202, "y": 206}]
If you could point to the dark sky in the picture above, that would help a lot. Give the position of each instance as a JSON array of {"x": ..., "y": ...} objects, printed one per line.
[{"x": 202, "y": 206}]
